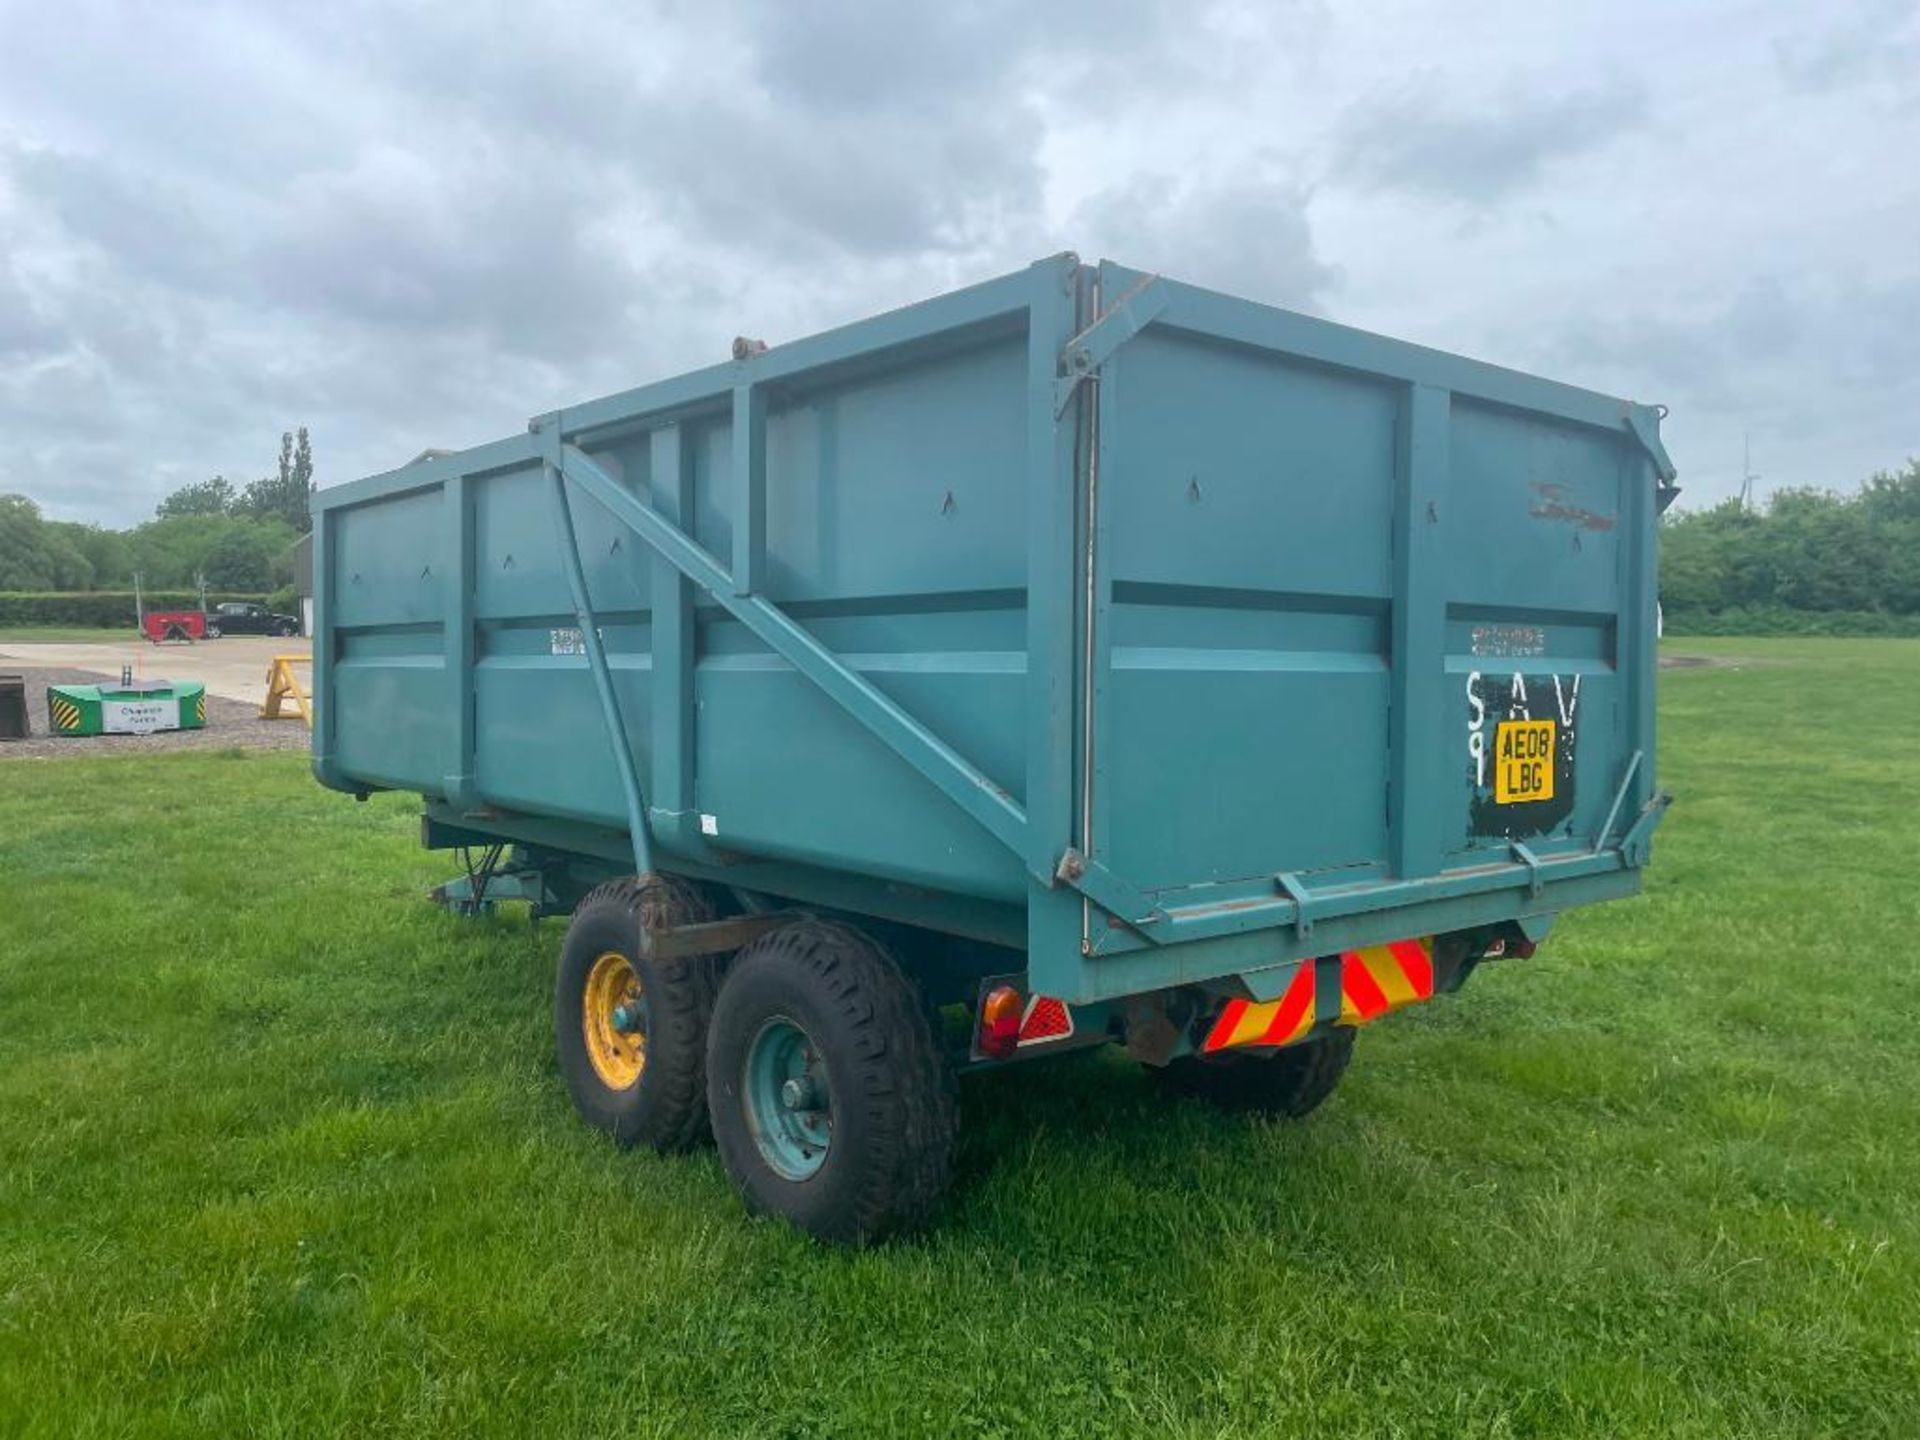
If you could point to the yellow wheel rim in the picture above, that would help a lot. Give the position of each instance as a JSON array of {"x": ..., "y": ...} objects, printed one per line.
[{"x": 618, "y": 1050}]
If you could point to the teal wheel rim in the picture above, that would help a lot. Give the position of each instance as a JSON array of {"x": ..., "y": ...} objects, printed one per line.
[{"x": 789, "y": 1106}]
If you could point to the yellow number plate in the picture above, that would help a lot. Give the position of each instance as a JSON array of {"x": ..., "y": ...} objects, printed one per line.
[{"x": 1523, "y": 761}]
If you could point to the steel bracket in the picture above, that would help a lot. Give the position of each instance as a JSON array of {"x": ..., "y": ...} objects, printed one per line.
[
  {"x": 1295, "y": 889},
  {"x": 1636, "y": 844},
  {"x": 711, "y": 937},
  {"x": 1644, "y": 423},
  {"x": 1116, "y": 896},
  {"x": 1526, "y": 857},
  {"x": 1619, "y": 799},
  {"x": 1086, "y": 352}
]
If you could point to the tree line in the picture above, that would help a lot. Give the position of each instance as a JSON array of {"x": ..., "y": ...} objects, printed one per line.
[
  {"x": 1809, "y": 561},
  {"x": 233, "y": 538}
]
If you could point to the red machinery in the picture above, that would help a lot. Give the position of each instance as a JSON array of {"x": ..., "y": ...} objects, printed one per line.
[
  {"x": 164, "y": 625},
  {"x": 159, "y": 625}
]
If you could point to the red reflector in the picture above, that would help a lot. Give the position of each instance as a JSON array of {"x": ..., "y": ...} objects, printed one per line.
[
  {"x": 1000, "y": 1021},
  {"x": 1046, "y": 1019}
]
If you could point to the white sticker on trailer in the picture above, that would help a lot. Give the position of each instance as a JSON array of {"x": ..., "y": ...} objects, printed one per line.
[{"x": 139, "y": 717}]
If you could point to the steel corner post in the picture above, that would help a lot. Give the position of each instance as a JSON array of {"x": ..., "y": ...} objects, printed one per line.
[
  {"x": 1422, "y": 505},
  {"x": 591, "y": 642},
  {"x": 672, "y": 676},
  {"x": 459, "y": 788},
  {"x": 326, "y": 767}
]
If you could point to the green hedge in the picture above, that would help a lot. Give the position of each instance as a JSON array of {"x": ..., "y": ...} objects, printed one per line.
[
  {"x": 1778, "y": 620},
  {"x": 99, "y": 609}
]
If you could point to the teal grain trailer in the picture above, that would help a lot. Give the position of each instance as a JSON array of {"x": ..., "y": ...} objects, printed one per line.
[{"x": 1104, "y": 658}]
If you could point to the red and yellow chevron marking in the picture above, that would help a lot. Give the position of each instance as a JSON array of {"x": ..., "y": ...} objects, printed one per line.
[
  {"x": 1383, "y": 978},
  {"x": 1372, "y": 982},
  {"x": 1269, "y": 1022}
]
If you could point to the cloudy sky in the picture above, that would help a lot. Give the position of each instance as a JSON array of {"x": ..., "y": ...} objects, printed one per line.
[{"x": 417, "y": 225}]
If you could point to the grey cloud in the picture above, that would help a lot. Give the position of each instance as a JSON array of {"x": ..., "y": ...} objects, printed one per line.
[
  {"x": 772, "y": 127},
  {"x": 1876, "y": 42},
  {"x": 1251, "y": 237},
  {"x": 1422, "y": 141},
  {"x": 25, "y": 332},
  {"x": 1772, "y": 333},
  {"x": 417, "y": 225},
  {"x": 1822, "y": 372},
  {"x": 842, "y": 54},
  {"x": 144, "y": 223}
]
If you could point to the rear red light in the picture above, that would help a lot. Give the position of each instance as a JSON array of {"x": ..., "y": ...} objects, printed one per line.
[
  {"x": 1046, "y": 1019},
  {"x": 1000, "y": 1021}
]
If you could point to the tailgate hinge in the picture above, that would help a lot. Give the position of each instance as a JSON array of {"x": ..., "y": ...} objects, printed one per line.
[
  {"x": 1112, "y": 894},
  {"x": 1094, "y": 346}
]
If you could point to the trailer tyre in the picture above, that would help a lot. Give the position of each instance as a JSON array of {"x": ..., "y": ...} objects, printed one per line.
[
  {"x": 1291, "y": 1082},
  {"x": 631, "y": 1033},
  {"x": 832, "y": 1102}
]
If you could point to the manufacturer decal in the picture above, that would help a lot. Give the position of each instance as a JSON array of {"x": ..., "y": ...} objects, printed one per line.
[{"x": 1516, "y": 642}]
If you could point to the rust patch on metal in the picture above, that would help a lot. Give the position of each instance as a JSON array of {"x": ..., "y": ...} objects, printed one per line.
[{"x": 1551, "y": 507}]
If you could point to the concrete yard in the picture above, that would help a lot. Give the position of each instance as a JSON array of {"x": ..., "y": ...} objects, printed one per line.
[
  {"x": 234, "y": 671},
  {"x": 234, "y": 668}
]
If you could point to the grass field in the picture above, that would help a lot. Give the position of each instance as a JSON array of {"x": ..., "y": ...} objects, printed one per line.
[{"x": 283, "y": 1151}]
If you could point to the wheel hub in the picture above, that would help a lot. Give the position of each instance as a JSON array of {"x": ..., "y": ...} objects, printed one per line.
[
  {"x": 613, "y": 1021},
  {"x": 789, "y": 1105}
]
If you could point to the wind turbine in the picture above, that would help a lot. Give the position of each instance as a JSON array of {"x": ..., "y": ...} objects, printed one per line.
[{"x": 1747, "y": 477}]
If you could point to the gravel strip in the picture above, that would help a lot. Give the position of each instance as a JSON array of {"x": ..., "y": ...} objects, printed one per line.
[{"x": 229, "y": 723}]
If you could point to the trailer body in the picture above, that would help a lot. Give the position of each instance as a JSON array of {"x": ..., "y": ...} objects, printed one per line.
[
  {"x": 1162, "y": 636},
  {"x": 1114, "y": 657}
]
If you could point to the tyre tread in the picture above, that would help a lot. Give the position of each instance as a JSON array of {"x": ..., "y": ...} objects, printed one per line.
[
  {"x": 681, "y": 993},
  {"x": 902, "y": 1080}
]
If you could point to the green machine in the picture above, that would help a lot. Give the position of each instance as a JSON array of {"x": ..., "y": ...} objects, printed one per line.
[{"x": 131, "y": 708}]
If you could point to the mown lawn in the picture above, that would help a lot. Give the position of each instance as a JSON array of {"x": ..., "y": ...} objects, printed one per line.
[{"x": 283, "y": 1151}]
